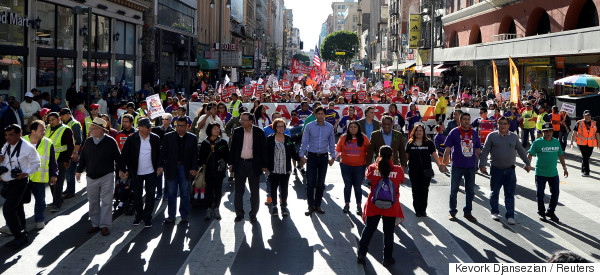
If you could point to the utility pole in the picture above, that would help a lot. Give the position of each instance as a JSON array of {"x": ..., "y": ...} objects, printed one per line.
[{"x": 432, "y": 22}]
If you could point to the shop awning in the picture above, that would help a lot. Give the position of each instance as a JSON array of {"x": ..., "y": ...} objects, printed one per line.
[
  {"x": 437, "y": 70},
  {"x": 206, "y": 64},
  {"x": 376, "y": 69}
]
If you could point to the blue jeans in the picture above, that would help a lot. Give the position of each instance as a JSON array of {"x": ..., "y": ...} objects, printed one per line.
[
  {"x": 508, "y": 179},
  {"x": 181, "y": 184},
  {"x": 70, "y": 177},
  {"x": 540, "y": 184},
  {"x": 353, "y": 176},
  {"x": 159, "y": 187},
  {"x": 456, "y": 173},
  {"x": 38, "y": 189},
  {"x": 316, "y": 169},
  {"x": 525, "y": 136}
]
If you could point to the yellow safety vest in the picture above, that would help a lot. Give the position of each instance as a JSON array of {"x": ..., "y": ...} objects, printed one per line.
[
  {"x": 527, "y": 115},
  {"x": 56, "y": 137},
  {"x": 75, "y": 122},
  {"x": 234, "y": 108},
  {"x": 540, "y": 121},
  {"x": 42, "y": 174},
  {"x": 140, "y": 113}
]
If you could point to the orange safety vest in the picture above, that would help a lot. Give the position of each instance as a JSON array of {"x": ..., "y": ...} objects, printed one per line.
[
  {"x": 585, "y": 136},
  {"x": 556, "y": 118}
]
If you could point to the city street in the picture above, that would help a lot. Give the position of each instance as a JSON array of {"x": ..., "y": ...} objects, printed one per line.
[{"x": 323, "y": 244}]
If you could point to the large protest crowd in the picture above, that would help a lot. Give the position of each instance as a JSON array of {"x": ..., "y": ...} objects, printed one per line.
[{"x": 124, "y": 151}]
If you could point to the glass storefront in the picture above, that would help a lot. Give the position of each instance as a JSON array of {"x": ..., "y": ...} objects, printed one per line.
[
  {"x": 11, "y": 34},
  {"x": 55, "y": 18},
  {"x": 100, "y": 32},
  {"x": 125, "y": 71},
  {"x": 126, "y": 43},
  {"x": 55, "y": 75},
  {"x": 12, "y": 75},
  {"x": 100, "y": 69}
]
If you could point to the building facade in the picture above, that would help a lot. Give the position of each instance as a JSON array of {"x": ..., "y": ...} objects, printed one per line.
[
  {"x": 44, "y": 45},
  {"x": 547, "y": 39}
]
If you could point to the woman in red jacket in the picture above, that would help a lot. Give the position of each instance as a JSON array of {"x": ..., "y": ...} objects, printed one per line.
[{"x": 392, "y": 216}]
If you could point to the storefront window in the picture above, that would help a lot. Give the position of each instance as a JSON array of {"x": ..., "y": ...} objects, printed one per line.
[
  {"x": 65, "y": 38},
  {"x": 11, "y": 34},
  {"x": 103, "y": 35},
  {"x": 125, "y": 71},
  {"x": 120, "y": 45},
  {"x": 65, "y": 72},
  {"x": 100, "y": 69},
  {"x": 47, "y": 32},
  {"x": 11, "y": 75},
  {"x": 130, "y": 37},
  {"x": 176, "y": 15},
  {"x": 45, "y": 74}
]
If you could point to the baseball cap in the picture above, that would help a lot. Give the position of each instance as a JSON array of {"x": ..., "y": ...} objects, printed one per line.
[
  {"x": 44, "y": 112},
  {"x": 131, "y": 104},
  {"x": 587, "y": 113},
  {"x": 28, "y": 94},
  {"x": 94, "y": 106},
  {"x": 547, "y": 126},
  {"x": 65, "y": 111},
  {"x": 144, "y": 122}
]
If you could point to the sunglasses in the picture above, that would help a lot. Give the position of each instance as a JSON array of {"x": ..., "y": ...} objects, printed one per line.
[{"x": 294, "y": 114}]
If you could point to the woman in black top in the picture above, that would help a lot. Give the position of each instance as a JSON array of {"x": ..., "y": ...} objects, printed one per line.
[
  {"x": 419, "y": 152},
  {"x": 213, "y": 152},
  {"x": 280, "y": 152}
]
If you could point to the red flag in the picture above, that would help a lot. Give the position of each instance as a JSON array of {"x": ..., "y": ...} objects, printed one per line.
[
  {"x": 324, "y": 68},
  {"x": 299, "y": 68},
  {"x": 203, "y": 86},
  {"x": 309, "y": 81},
  {"x": 313, "y": 73}
]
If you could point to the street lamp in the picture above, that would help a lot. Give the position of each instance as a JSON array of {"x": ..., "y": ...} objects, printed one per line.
[
  {"x": 83, "y": 32},
  {"x": 212, "y": 5}
]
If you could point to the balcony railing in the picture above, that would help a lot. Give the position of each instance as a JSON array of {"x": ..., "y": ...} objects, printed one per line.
[{"x": 505, "y": 36}]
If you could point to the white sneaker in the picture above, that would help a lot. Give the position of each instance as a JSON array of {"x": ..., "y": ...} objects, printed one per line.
[
  {"x": 39, "y": 225},
  {"x": 511, "y": 221},
  {"x": 496, "y": 217}
]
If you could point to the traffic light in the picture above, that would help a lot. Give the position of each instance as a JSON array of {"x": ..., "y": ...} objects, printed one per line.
[{"x": 301, "y": 45}]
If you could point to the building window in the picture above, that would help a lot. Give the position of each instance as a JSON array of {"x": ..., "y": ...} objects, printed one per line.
[
  {"x": 55, "y": 18},
  {"x": 100, "y": 70},
  {"x": 176, "y": 15},
  {"x": 55, "y": 75},
  {"x": 126, "y": 43},
  {"x": 125, "y": 72},
  {"x": 100, "y": 32},
  {"x": 11, "y": 34},
  {"x": 458, "y": 7},
  {"x": 12, "y": 77}
]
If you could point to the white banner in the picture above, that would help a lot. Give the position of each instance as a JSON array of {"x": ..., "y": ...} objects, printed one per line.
[
  {"x": 569, "y": 108},
  {"x": 427, "y": 112}
]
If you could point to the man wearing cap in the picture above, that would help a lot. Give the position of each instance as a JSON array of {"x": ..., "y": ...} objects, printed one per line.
[
  {"x": 99, "y": 156},
  {"x": 67, "y": 119},
  {"x": 64, "y": 145},
  {"x": 29, "y": 107},
  {"x": 141, "y": 112},
  {"x": 547, "y": 151},
  {"x": 128, "y": 130},
  {"x": 94, "y": 113},
  {"x": 140, "y": 156},
  {"x": 528, "y": 117},
  {"x": 46, "y": 173},
  {"x": 587, "y": 137},
  {"x": 234, "y": 106}
]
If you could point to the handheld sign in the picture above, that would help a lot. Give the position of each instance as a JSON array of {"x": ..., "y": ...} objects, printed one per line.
[
  {"x": 388, "y": 92},
  {"x": 248, "y": 90},
  {"x": 348, "y": 95},
  {"x": 362, "y": 95},
  {"x": 155, "y": 108}
]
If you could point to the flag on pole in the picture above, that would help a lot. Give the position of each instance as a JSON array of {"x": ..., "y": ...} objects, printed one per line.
[
  {"x": 514, "y": 82},
  {"x": 226, "y": 80},
  {"x": 317, "y": 58},
  {"x": 496, "y": 86}
]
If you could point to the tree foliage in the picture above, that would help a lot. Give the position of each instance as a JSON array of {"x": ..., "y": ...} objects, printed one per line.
[{"x": 340, "y": 41}]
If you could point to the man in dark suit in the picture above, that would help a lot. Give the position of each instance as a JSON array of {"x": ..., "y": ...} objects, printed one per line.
[
  {"x": 140, "y": 155},
  {"x": 12, "y": 115},
  {"x": 179, "y": 160},
  {"x": 248, "y": 159},
  {"x": 387, "y": 136},
  {"x": 369, "y": 123}
]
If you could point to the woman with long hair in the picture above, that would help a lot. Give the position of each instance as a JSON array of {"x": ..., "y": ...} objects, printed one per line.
[
  {"x": 222, "y": 112},
  {"x": 280, "y": 152},
  {"x": 261, "y": 119},
  {"x": 353, "y": 146},
  {"x": 412, "y": 116},
  {"x": 383, "y": 172},
  {"x": 213, "y": 152},
  {"x": 194, "y": 127},
  {"x": 419, "y": 152}
]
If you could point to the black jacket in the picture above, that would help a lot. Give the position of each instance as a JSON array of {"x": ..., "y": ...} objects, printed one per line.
[
  {"x": 100, "y": 159},
  {"x": 131, "y": 152},
  {"x": 290, "y": 153},
  {"x": 160, "y": 131},
  {"x": 169, "y": 154},
  {"x": 221, "y": 152},
  {"x": 258, "y": 148}
]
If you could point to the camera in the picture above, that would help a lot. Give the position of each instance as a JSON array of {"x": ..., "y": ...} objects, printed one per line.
[{"x": 14, "y": 173}]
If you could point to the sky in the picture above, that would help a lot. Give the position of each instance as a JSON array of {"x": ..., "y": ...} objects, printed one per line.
[{"x": 309, "y": 15}]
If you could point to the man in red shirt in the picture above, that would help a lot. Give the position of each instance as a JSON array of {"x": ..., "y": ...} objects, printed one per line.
[{"x": 398, "y": 98}]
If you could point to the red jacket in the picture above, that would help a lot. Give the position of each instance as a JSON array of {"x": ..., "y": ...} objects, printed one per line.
[{"x": 397, "y": 177}]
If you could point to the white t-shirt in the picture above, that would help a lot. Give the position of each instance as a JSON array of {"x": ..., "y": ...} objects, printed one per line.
[{"x": 145, "y": 158}]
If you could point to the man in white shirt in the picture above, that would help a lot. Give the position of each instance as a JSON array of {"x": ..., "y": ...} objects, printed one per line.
[
  {"x": 209, "y": 117},
  {"x": 140, "y": 155},
  {"x": 19, "y": 159},
  {"x": 103, "y": 104},
  {"x": 29, "y": 107}
]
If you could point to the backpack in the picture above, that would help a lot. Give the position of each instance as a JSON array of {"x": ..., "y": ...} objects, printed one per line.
[{"x": 384, "y": 194}]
